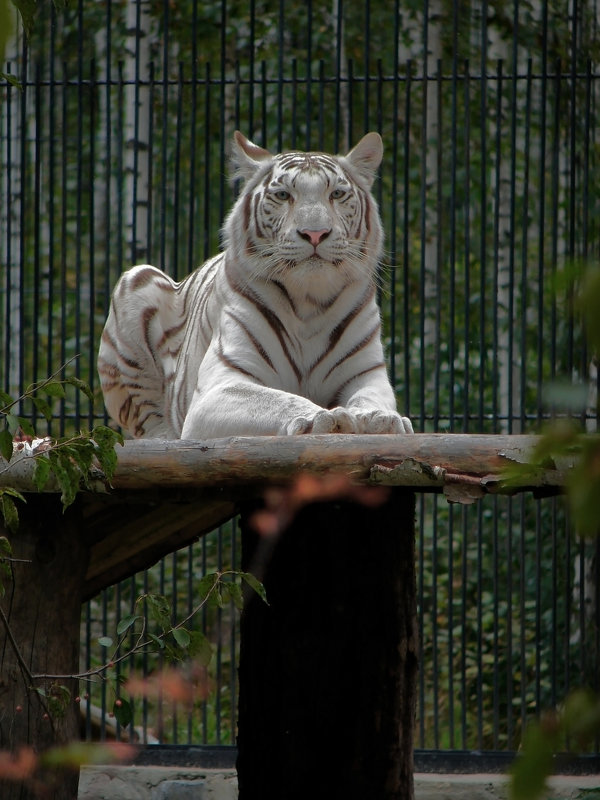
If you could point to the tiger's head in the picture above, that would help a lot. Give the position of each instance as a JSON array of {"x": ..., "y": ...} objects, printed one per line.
[{"x": 306, "y": 217}]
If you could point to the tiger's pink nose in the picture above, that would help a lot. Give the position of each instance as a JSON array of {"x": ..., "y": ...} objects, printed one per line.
[{"x": 314, "y": 237}]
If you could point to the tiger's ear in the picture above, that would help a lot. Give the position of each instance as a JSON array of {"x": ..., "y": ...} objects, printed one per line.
[
  {"x": 366, "y": 156},
  {"x": 246, "y": 156}
]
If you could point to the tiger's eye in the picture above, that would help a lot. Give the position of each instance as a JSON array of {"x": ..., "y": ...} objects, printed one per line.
[
  {"x": 337, "y": 194},
  {"x": 281, "y": 194}
]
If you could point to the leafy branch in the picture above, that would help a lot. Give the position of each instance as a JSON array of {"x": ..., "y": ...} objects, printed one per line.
[
  {"x": 70, "y": 460},
  {"x": 177, "y": 642}
]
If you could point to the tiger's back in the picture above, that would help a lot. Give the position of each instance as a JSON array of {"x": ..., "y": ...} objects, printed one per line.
[{"x": 280, "y": 333}]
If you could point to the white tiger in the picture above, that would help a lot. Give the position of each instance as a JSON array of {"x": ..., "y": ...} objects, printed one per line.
[{"x": 279, "y": 333}]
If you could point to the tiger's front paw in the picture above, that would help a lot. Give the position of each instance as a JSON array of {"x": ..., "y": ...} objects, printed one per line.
[
  {"x": 383, "y": 422},
  {"x": 336, "y": 420}
]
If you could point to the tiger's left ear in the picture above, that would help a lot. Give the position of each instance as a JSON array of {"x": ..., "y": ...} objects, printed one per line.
[
  {"x": 246, "y": 156},
  {"x": 366, "y": 156}
]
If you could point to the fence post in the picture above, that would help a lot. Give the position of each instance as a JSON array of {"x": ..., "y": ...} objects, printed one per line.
[
  {"x": 41, "y": 610},
  {"x": 328, "y": 668}
]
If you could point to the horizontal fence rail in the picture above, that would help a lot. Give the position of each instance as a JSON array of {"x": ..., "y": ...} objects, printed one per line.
[{"x": 115, "y": 123}]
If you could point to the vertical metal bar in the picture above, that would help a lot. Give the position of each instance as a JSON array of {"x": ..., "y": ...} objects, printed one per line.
[
  {"x": 440, "y": 256},
  {"x": 496, "y": 613},
  {"x": 483, "y": 239},
  {"x": 191, "y": 257},
  {"x": 280, "y": 62},
  {"x": 452, "y": 223},
  {"x": 64, "y": 229},
  {"x": 309, "y": 55},
  {"x": 367, "y": 65},
  {"x": 36, "y": 229},
  {"x": 524, "y": 248},
  {"x": 207, "y": 163},
  {"x": 177, "y": 175},
  {"x": 541, "y": 345},
  {"x": 251, "y": 67},
  {"x": 467, "y": 254},
  {"x": 406, "y": 260},
  {"x": 496, "y": 249},
  {"x": 164, "y": 160},
  {"x": 350, "y": 94},
  {"x": 149, "y": 217},
  {"x": 294, "y": 103},
  {"x": 321, "y": 117},
  {"x": 509, "y": 623},
  {"x": 339, "y": 57},
  {"x": 91, "y": 278},
  {"x": 451, "y": 686},
  {"x": 395, "y": 194}
]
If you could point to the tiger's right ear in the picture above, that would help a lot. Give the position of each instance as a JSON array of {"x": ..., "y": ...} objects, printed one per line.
[{"x": 246, "y": 156}]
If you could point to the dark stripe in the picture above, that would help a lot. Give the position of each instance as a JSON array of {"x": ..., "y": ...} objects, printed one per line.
[
  {"x": 335, "y": 401},
  {"x": 356, "y": 349},
  {"x": 257, "y": 345},
  {"x": 272, "y": 319},
  {"x": 106, "y": 337},
  {"x": 337, "y": 333},
  {"x": 234, "y": 365}
]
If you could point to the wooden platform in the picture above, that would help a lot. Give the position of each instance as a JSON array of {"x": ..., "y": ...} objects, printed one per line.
[{"x": 166, "y": 494}]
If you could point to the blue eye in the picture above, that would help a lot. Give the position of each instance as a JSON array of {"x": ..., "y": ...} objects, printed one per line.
[
  {"x": 337, "y": 194},
  {"x": 281, "y": 194}
]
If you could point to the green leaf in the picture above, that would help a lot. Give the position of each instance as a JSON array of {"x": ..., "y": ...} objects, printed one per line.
[
  {"x": 127, "y": 622},
  {"x": 27, "y": 9},
  {"x": 12, "y": 423},
  {"x": 43, "y": 407},
  {"x": 82, "y": 386},
  {"x": 106, "y": 439},
  {"x": 105, "y": 641},
  {"x": 234, "y": 590},
  {"x": 6, "y": 400},
  {"x": 255, "y": 584},
  {"x": 207, "y": 585},
  {"x": 41, "y": 473},
  {"x": 67, "y": 475},
  {"x": 12, "y": 79},
  {"x": 182, "y": 637},
  {"x": 5, "y": 547},
  {"x": 9, "y": 511},
  {"x": 200, "y": 648},
  {"x": 123, "y": 712},
  {"x": 159, "y": 610},
  {"x": 6, "y": 444},
  {"x": 55, "y": 389},
  {"x": 157, "y": 641},
  {"x": 26, "y": 426}
]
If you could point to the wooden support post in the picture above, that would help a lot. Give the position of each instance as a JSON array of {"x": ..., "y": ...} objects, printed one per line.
[
  {"x": 328, "y": 669},
  {"x": 39, "y": 633}
]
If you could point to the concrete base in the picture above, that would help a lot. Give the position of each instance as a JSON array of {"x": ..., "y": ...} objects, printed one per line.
[{"x": 181, "y": 783}]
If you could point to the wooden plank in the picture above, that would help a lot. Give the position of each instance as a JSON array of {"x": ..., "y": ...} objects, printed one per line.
[
  {"x": 423, "y": 461},
  {"x": 131, "y": 536}
]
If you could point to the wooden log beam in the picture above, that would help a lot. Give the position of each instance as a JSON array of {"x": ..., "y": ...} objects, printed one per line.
[{"x": 420, "y": 461}]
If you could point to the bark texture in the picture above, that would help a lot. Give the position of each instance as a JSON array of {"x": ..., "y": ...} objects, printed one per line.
[{"x": 42, "y": 607}]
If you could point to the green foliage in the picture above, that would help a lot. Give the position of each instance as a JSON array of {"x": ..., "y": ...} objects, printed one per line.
[
  {"x": 149, "y": 635},
  {"x": 578, "y": 720},
  {"x": 70, "y": 460}
]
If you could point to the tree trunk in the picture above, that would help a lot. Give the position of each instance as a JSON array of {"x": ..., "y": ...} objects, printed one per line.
[
  {"x": 327, "y": 670},
  {"x": 42, "y": 608}
]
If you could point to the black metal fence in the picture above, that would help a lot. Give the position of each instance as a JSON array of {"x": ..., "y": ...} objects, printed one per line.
[{"x": 115, "y": 120}]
